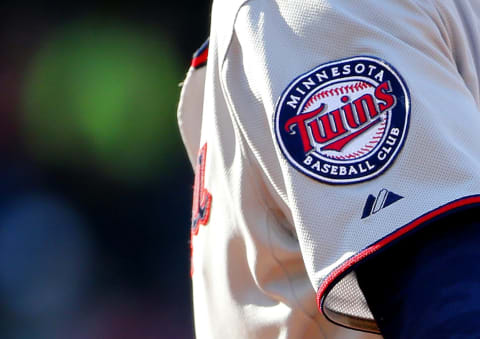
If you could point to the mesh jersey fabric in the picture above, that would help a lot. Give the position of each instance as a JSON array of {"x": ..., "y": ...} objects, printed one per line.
[{"x": 275, "y": 236}]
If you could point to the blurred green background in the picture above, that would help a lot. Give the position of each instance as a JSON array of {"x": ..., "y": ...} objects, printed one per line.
[{"x": 95, "y": 183}]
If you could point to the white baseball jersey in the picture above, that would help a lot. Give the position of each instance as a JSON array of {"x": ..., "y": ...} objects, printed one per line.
[{"x": 320, "y": 132}]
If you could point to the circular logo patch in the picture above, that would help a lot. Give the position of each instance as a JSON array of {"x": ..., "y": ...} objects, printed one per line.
[{"x": 345, "y": 121}]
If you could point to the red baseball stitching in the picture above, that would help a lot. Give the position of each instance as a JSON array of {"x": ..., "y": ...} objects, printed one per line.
[
  {"x": 337, "y": 91},
  {"x": 365, "y": 149}
]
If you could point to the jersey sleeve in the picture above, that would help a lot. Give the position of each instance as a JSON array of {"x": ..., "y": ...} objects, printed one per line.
[
  {"x": 363, "y": 121},
  {"x": 190, "y": 106}
]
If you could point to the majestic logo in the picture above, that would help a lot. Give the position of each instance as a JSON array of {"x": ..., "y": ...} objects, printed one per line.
[
  {"x": 345, "y": 121},
  {"x": 374, "y": 204}
]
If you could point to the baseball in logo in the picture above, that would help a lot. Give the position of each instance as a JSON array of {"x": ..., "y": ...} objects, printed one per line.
[{"x": 345, "y": 121}]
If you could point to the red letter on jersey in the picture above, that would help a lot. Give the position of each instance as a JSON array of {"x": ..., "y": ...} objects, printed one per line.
[{"x": 202, "y": 199}]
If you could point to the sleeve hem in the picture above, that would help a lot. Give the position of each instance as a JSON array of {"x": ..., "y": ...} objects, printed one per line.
[{"x": 347, "y": 266}]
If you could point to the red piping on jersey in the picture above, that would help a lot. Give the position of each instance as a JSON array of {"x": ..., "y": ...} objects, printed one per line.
[
  {"x": 200, "y": 60},
  {"x": 201, "y": 55},
  {"x": 348, "y": 265}
]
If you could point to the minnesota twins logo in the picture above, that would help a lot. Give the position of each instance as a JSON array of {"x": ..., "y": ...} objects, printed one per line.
[{"x": 345, "y": 121}]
